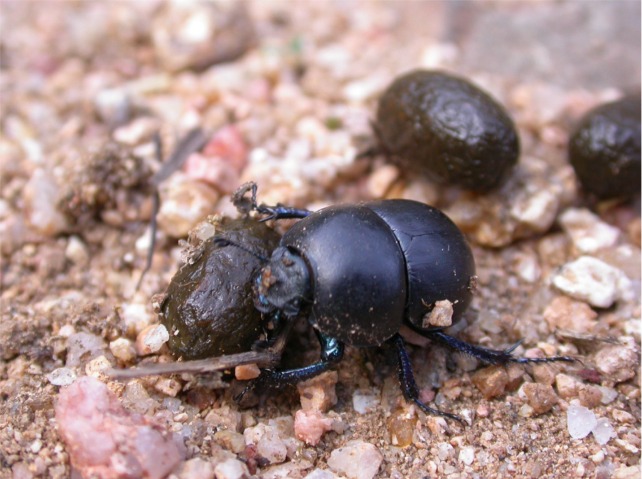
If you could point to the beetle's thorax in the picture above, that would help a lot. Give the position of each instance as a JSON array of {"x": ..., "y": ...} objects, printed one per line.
[{"x": 283, "y": 284}]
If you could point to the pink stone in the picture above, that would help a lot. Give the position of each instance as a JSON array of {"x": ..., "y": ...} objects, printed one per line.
[
  {"x": 105, "y": 440},
  {"x": 310, "y": 425}
]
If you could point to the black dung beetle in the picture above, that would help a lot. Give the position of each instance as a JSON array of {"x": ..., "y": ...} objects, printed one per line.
[
  {"x": 604, "y": 149},
  {"x": 444, "y": 127},
  {"x": 357, "y": 273},
  {"x": 360, "y": 272}
]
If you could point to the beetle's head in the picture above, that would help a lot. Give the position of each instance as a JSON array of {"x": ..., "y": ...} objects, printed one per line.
[{"x": 283, "y": 284}]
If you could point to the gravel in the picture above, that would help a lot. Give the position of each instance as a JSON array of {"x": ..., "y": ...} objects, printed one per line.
[{"x": 285, "y": 97}]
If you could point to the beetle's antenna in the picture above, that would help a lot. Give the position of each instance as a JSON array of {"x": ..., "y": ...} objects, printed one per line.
[{"x": 220, "y": 241}]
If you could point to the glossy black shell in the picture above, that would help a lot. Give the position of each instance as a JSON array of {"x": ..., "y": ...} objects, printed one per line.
[
  {"x": 208, "y": 308},
  {"x": 604, "y": 149},
  {"x": 378, "y": 264},
  {"x": 446, "y": 128}
]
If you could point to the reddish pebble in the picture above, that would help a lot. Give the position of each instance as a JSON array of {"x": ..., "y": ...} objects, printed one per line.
[
  {"x": 569, "y": 314},
  {"x": 491, "y": 381},
  {"x": 618, "y": 363},
  {"x": 541, "y": 397},
  {"x": 310, "y": 425},
  {"x": 221, "y": 161},
  {"x": 105, "y": 440},
  {"x": 567, "y": 386},
  {"x": 483, "y": 410},
  {"x": 590, "y": 396},
  {"x": 590, "y": 375},
  {"x": 246, "y": 372}
]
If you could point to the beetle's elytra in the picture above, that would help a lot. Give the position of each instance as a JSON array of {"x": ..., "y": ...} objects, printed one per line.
[{"x": 376, "y": 265}]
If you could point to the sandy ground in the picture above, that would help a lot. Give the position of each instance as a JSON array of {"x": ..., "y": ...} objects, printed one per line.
[{"x": 286, "y": 91}]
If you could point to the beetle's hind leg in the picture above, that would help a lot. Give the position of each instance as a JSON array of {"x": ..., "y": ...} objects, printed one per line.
[
  {"x": 490, "y": 356},
  {"x": 407, "y": 380}
]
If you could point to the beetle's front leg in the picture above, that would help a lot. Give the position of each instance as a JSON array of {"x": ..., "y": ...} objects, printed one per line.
[
  {"x": 277, "y": 212},
  {"x": 331, "y": 353}
]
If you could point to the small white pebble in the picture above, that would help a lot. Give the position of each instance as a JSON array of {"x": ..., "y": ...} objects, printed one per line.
[
  {"x": 536, "y": 211},
  {"x": 97, "y": 366},
  {"x": 628, "y": 447},
  {"x": 231, "y": 469},
  {"x": 467, "y": 415},
  {"x": 62, "y": 376},
  {"x": 356, "y": 460},
  {"x": 440, "y": 316},
  {"x": 598, "y": 457},
  {"x": 184, "y": 203},
  {"x": 195, "y": 468},
  {"x": 66, "y": 331},
  {"x": 36, "y": 446},
  {"x": 137, "y": 131},
  {"x": 467, "y": 455},
  {"x": 151, "y": 339},
  {"x": 623, "y": 417},
  {"x": 580, "y": 421},
  {"x": 135, "y": 316},
  {"x": 272, "y": 448},
  {"x": 82, "y": 347},
  {"x": 320, "y": 474},
  {"x": 603, "y": 431},
  {"x": 76, "y": 251},
  {"x": 41, "y": 197},
  {"x": 169, "y": 386},
  {"x": 268, "y": 442},
  {"x": 364, "y": 401},
  {"x": 181, "y": 417},
  {"x": 592, "y": 280},
  {"x": 527, "y": 267},
  {"x": 123, "y": 349},
  {"x": 445, "y": 451},
  {"x": 608, "y": 394},
  {"x": 588, "y": 233},
  {"x": 526, "y": 410},
  {"x": 113, "y": 105}
]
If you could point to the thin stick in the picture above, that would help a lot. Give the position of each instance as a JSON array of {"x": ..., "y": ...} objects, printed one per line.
[{"x": 261, "y": 358}]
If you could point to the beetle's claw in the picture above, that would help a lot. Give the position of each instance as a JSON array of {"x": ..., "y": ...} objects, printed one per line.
[
  {"x": 270, "y": 212},
  {"x": 239, "y": 199},
  {"x": 239, "y": 397},
  {"x": 255, "y": 384},
  {"x": 509, "y": 350}
]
